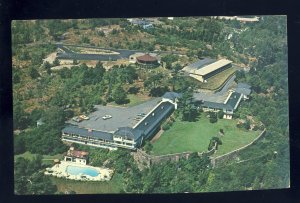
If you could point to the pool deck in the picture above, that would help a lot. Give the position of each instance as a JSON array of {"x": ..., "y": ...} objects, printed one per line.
[{"x": 59, "y": 170}]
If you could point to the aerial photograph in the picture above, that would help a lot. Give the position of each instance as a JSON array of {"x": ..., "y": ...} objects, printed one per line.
[{"x": 145, "y": 105}]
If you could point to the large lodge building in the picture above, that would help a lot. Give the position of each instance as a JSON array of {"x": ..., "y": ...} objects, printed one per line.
[{"x": 129, "y": 137}]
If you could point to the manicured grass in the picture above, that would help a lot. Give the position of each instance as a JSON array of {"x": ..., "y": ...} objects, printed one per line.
[
  {"x": 217, "y": 80},
  {"x": 134, "y": 100},
  {"x": 48, "y": 159},
  {"x": 112, "y": 186},
  {"x": 195, "y": 137}
]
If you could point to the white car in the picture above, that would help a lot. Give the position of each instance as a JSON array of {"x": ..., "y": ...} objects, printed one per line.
[
  {"x": 106, "y": 117},
  {"x": 84, "y": 117}
]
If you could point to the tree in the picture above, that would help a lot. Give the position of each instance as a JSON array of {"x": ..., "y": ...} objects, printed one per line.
[
  {"x": 30, "y": 180},
  {"x": 148, "y": 147},
  {"x": 222, "y": 131},
  {"x": 54, "y": 117},
  {"x": 213, "y": 117},
  {"x": 75, "y": 62},
  {"x": 213, "y": 141},
  {"x": 133, "y": 90},
  {"x": 19, "y": 144},
  {"x": 187, "y": 108},
  {"x": 158, "y": 91},
  {"x": 246, "y": 124},
  {"x": 119, "y": 95},
  {"x": 20, "y": 117},
  {"x": 56, "y": 62},
  {"x": 34, "y": 73},
  {"x": 220, "y": 114}
]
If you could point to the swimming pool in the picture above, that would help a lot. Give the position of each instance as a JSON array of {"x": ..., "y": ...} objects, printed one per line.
[{"x": 76, "y": 170}]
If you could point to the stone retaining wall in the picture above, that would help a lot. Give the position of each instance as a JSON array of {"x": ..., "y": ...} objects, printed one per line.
[
  {"x": 221, "y": 160},
  {"x": 145, "y": 160}
]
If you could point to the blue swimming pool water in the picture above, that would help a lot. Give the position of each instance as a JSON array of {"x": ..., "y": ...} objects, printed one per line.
[{"x": 76, "y": 170}]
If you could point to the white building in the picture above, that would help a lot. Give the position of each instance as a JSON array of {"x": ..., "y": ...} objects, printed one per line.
[{"x": 80, "y": 157}]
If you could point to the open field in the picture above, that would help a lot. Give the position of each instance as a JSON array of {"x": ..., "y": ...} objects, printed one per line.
[
  {"x": 47, "y": 159},
  {"x": 217, "y": 80},
  {"x": 112, "y": 186},
  {"x": 135, "y": 99},
  {"x": 195, "y": 137}
]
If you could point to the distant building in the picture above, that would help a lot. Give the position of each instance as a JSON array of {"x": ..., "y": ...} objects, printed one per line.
[
  {"x": 145, "y": 24},
  {"x": 147, "y": 60},
  {"x": 76, "y": 156},
  {"x": 228, "y": 107},
  {"x": 243, "y": 19},
  {"x": 148, "y": 26},
  {"x": 132, "y": 58},
  {"x": 244, "y": 89},
  {"x": 206, "y": 68},
  {"x": 39, "y": 122}
]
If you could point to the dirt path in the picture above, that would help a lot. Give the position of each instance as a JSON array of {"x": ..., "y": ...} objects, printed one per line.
[{"x": 157, "y": 136}]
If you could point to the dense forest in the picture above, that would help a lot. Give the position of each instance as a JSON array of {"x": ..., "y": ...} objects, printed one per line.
[{"x": 41, "y": 93}]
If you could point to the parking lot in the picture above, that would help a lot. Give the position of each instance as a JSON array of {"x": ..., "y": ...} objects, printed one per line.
[{"x": 121, "y": 117}]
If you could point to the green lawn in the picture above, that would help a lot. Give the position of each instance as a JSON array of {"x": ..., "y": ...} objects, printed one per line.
[
  {"x": 47, "y": 159},
  {"x": 195, "y": 136},
  {"x": 112, "y": 186},
  {"x": 134, "y": 100}
]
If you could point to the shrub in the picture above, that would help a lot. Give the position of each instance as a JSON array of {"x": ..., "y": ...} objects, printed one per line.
[
  {"x": 213, "y": 119},
  {"x": 220, "y": 114},
  {"x": 166, "y": 127}
]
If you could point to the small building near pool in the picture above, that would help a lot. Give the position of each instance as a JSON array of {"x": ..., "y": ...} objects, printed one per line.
[{"x": 80, "y": 157}]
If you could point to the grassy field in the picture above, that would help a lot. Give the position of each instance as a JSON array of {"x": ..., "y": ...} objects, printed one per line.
[
  {"x": 217, "y": 80},
  {"x": 134, "y": 100},
  {"x": 112, "y": 186},
  {"x": 47, "y": 159},
  {"x": 195, "y": 136}
]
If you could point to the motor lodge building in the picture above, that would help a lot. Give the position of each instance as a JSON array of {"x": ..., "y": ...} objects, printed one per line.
[
  {"x": 206, "y": 68},
  {"x": 107, "y": 134}
]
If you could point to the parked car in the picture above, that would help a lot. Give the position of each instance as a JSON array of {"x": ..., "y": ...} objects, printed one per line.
[
  {"x": 142, "y": 114},
  {"x": 77, "y": 119},
  {"x": 84, "y": 117},
  {"x": 106, "y": 117}
]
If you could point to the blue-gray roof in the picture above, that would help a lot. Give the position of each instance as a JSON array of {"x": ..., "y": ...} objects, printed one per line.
[
  {"x": 213, "y": 105},
  {"x": 233, "y": 100},
  {"x": 243, "y": 85},
  {"x": 243, "y": 88},
  {"x": 71, "y": 129},
  {"x": 201, "y": 63},
  {"x": 129, "y": 132},
  {"x": 155, "y": 117},
  {"x": 140, "y": 22},
  {"x": 229, "y": 105},
  {"x": 172, "y": 95}
]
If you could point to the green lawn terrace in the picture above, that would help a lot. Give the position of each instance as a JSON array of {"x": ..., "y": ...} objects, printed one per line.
[{"x": 195, "y": 137}]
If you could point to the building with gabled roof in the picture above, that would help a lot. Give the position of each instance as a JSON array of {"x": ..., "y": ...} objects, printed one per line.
[
  {"x": 118, "y": 135},
  {"x": 206, "y": 68},
  {"x": 76, "y": 156},
  {"x": 244, "y": 89}
]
